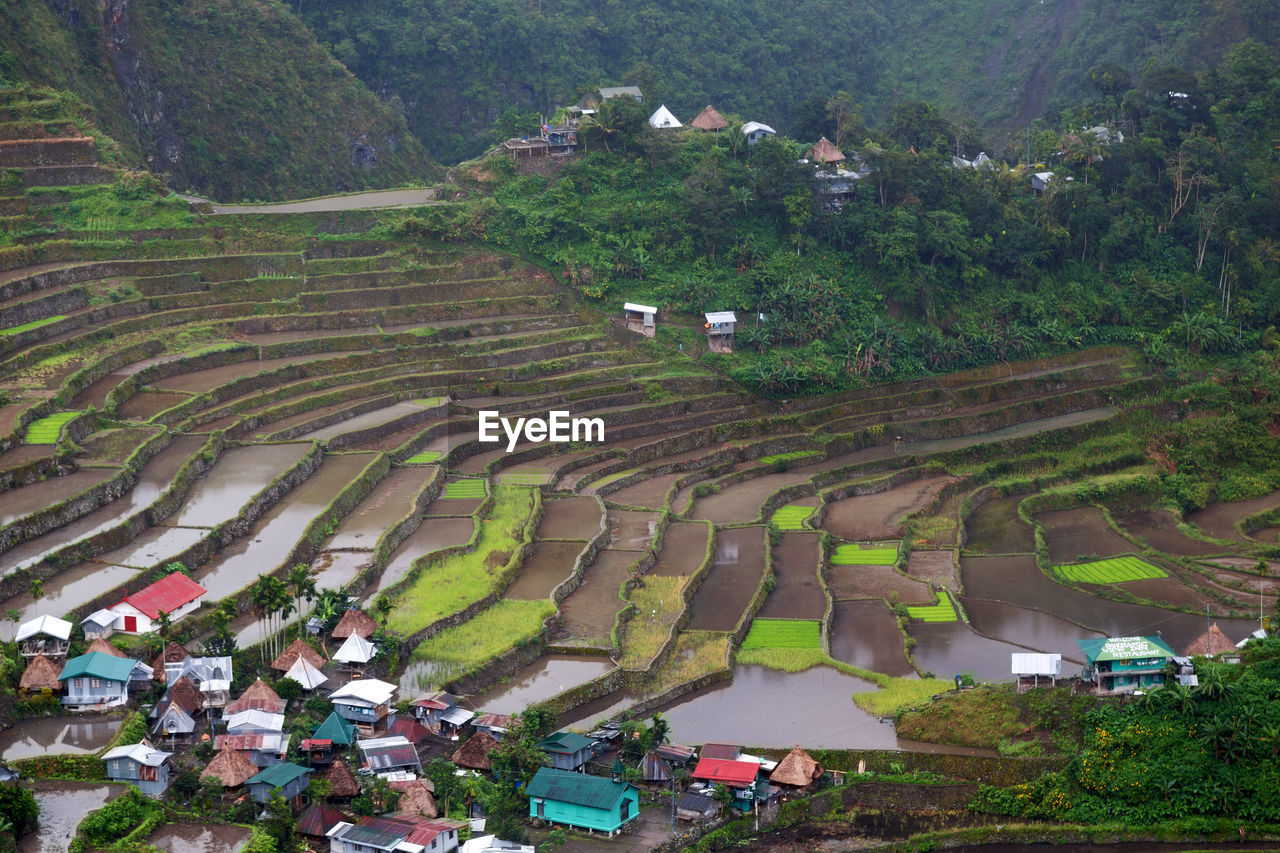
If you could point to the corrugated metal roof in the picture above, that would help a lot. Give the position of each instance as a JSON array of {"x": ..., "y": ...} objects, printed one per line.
[
  {"x": 720, "y": 317},
  {"x": 143, "y": 753},
  {"x": 369, "y": 691},
  {"x": 564, "y": 742},
  {"x": 635, "y": 306},
  {"x": 98, "y": 665},
  {"x": 46, "y": 624},
  {"x": 167, "y": 594},
  {"x": 730, "y": 772},
  {"x": 278, "y": 775},
  {"x": 578, "y": 788}
]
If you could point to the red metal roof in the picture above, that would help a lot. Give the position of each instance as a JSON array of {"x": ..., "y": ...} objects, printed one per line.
[
  {"x": 739, "y": 773},
  {"x": 243, "y": 742},
  {"x": 316, "y": 743},
  {"x": 167, "y": 594}
]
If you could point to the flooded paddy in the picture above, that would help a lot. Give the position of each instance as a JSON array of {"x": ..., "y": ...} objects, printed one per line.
[
  {"x": 866, "y": 634},
  {"x": 684, "y": 548},
  {"x": 432, "y": 535},
  {"x": 996, "y": 528},
  {"x": 588, "y": 612},
  {"x": 877, "y": 582},
  {"x": 239, "y": 474},
  {"x": 569, "y": 518},
  {"x": 146, "y": 404},
  {"x": 720, "y": 602},
  {"x": 949, "y": 648},
  {"x": 182, "y": 837},
  {"x": 935, "y": 567},
  {"x": 25, "y": 500},
  {"x": 389, "y": 502},
  {"x": 1159, "y": 529},
  {"x": 453, "y": 506},
  {"x": 272, "y": 537},
  {"x": 153, "y": 546},
  {"x": 368, "y": 419},
  {"x": 942, "y": 445},
  {"x": 336, "y": 569},
  {"x": 62, "y": 806},
  {"x": 798, "y": 594},
  {"x": 741, "y": 501},
  {"x": 69, "y": 589},
  {"x": 633, "y": 531},
  {"x": 1029, "y": 628},
  {"x": 152, "y": 480},
  {"x": 57, "y": 736},
  {"x": 880, "y": 515},
  {"x": 1170, "y": 591},
  {"x": 1219, "y": 520},
  {"x": 651, "y": 491},
  {"x": 1017, "y": 580},
  {"x": 544, "y": 569},
  {"x": 539, "y": 681},
  {"x": 202, "y": 381},
  {"x": 1074, "y": 534}
]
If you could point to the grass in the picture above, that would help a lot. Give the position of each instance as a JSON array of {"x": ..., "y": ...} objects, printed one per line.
[
  {"x": 891, "y": 696},
  {"x": 783, "y": 634},
  {"x": 463, "y": 490},
  {"x": 697, "y": 653},
  {"x": 943, "y": 611},
  {"x": 492, "y": 633},
  {"x": 1113, "y": 570},
  {"x": 998, "y": 718},
  {"x": 525, "y": 478},
  {"x": 659, "y": 604},
  {"x": 46, "y": 430},
  {"x": 464, "y": 578},
  {"x": 775, "y": 458},
  {"x": 856, "y": 555},
  {"x": 616, "y": 475},
  {"x": 429, "y": 402},
  {"x": 791, "y": 517},
  {"x": 34, "y": 324},
  {"x": 423, "y": 458}
]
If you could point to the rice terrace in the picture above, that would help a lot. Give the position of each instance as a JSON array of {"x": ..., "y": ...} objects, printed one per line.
[{"x": 236, "y": 395}]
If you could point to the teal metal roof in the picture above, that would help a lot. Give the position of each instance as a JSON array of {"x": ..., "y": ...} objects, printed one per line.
[
  {"x": 337, "y": 729},
  {"x": 98, "y": 665},
  {"x": 580, "y": 789},
  {"x": 1124, "y": 648},
  {"x": 277, "y": 775},
  {"x": 568, "y": 742}
]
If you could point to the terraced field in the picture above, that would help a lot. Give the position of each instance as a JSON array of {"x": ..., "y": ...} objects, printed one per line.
[{"x": 300, "y": 387}]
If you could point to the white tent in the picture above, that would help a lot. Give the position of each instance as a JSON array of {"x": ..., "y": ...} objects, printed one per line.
[
  {"x": 356, "y": 650},
  {"x": 306, "y": 674},
  {"x": 663, "y": 118}
]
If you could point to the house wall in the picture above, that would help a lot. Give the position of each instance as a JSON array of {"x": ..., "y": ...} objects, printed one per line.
[
  {"x": 127, "y": 770},
  {"x": 92, "y": 691},
  {"x": 584, "y": 816},
  {"x": 565, "y": 761}
]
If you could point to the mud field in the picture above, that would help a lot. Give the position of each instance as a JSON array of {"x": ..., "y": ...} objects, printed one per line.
[
  {"x": 741, "y": 501},
  {"x": 588, "y": 612},
  {"x": 651, "y": 492},
  {"x": 1159, "y": 529},
  {"x": 684, "y": 546},
  {"x": 544, "y": 569},
  {"x": 569, "y": 518},
  {"x": 877, "y": 582},
  {"x": 934, "y": 567},
  {"x": 866, "y": 634},
  {"x": 720, "y": 602},
  {"x": 880, "y": 515},
  {"x": 633, "y": 531},
  {"x": 996, "y": 528},
  {"x": 1219, "y": 520},
  {"x": 1074, "y": 534},
  {"x": 1170, "y": 591},
  {"x": 798, "y": 593}
]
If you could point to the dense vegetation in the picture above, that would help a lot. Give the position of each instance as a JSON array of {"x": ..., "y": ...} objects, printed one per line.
[{"x": 231, "y": 99}]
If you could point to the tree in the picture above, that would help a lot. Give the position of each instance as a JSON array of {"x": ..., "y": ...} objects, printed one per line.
[
  {"x": 303, "y": 586},
  {"x": 20, "y": 807},
  {"x": 845, "y": 117}
]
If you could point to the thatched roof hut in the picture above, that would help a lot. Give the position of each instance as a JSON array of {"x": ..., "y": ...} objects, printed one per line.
[
  {"x": 259, "y": 697},
  {"x": 318, "y": 819},
  {"x": 101, "y": 645},
  {"x": 231, "y": 767},
  {"x": 1212, "y": 642},
  {"x": 474, "y": 754},
  {"x": 709, "y": 119},
  {"x": 298, "y": 647},
  {"x": 823, "y": 151},
  {"x": 41, "y": 673},
  {"x": 354, "y": 621},
  {"x": 342, "y": 780},
  {"x": 416, "y": 799},
  {"x": 173, "y": 653},
  {"x": 797, "y": 770}
]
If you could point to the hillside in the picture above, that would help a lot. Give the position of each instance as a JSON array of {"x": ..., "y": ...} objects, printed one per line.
[{"x": 228, "y": 98}]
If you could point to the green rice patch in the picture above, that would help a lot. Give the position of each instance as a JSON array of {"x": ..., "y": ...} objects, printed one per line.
[
  {"x": 464, "y": 490},
  {"x": 1113, "y": 570},
  {"x": 783, "y": 634},
  {"x": 943, "y": 611},
  {"x": 423, "y": 458},
  {"x": 792, "y": 517},
  {"x": 775, "y": 458},
  {"x": 34, "y": 324},
  {"x": 524, "y": 478},
  {"x": 47, "y": 430},
  {"x": 856, "y": 555}
]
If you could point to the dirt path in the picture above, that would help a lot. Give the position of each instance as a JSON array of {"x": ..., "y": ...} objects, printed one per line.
[{"x": 357, "y": 201}]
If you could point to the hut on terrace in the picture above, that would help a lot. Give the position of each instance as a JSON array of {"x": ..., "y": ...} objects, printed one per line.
[
  {"x": 298, "y": 648},
  {"x": 231, "y": 767},
  {"x": 257, "y": 697},
  {"x": 354, "y": 621},
  {"x": 173, "y": 653},
  {"x": 44, "y": 635},
  {"x": 823, "y": 151},
  {"x": 797, "y": 770},
  {"x": 474, "y": 754},
  {"x": 41, "y": 673},
  {"x": 416, "y": 799},
  {"x": 101, "y": 645},
  {"x": 1211, "y": 643},
  {"x": 709, "y": 119},
  {"x": 342, "y": 782}
]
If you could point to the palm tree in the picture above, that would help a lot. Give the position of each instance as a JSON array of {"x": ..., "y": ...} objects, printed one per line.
[
  {"x": 261, "y": 598},
  {"x": 303, "y": 586}
]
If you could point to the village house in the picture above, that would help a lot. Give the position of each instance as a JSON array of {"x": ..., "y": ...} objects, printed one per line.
[
  {"x": 417, "y": 799},
  {"x": 709, "y": 119},
  {"x": 494, "y": 844},
  {"x": 495, "y": 725},
  {"x": 719, "y": 328},
  {"x": 289, "y": 779},
  {"x": 440, "y": 713},
  {"x": 354, "y": 621},
  {"x": 756, "y": 131},
  {"x": 254, "y": 722},
  {"x": 410, "y": 729},
  {"x": 211, "y": 676},
  {"x": 640, "y": 318},
  {"x": 96, "y": 681},
  {"x": 314, "y": 824},
  {"x": 342, "y": 782},
  {"x": 262, "y": 750},
  {"x": 140, "y": 764},
  {"x": 797, "y": 771},
  {"x": 663, "y": 119},
  {"x": 298, "y": 648},
  {"x": 586, "y": 802},
  {"x": 355, "y": 652},
  {"x": 172, "y": 653},
  {"x": 658, "y": 764},
  {"x": 474, "y": 754},
  {"x": 176, "y": 595},
  {"x": 1125, "y": 664},
  {"x": 230, "y": 767},
  {"x": 258, "y": 696},
  {"x": 391, "y": 756},
  {"x": 305, "y": 674},
  {"x": 567, "y": 750},
  {"x": 41, "y": 674},
  {"x": 737, "y": 775},
  {"x": 1215, "y": 644},
  {"x": 330, "y": 737},
  {"x": 384, "y": 834},
  {"x": 694, "y": 806},
  {"x": 175, "y": 713},
  {"x": 45, "y": 635},
  {"x": 367, "y": 703}
]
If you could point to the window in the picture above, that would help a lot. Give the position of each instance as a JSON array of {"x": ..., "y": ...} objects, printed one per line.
[
  {"x": 95, "y": 683},
  {"x": 626, "y": 808}
]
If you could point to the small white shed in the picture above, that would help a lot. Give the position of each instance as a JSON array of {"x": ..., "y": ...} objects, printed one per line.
[
  {"x": 640, "y": 318},
  {"x": 1030, "y": 667}
]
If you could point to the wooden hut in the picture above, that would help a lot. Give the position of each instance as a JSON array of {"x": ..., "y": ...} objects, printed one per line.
[
  {"x": 173, "y": 653},
  {"x": 41, "y": 673},
  {"x": 101, "y": 645},
  {"x": 474, "y": 754},
  {"x": 796, "y": 771},
  {"x": 45, "y": 635},
  {"x": 1211, "y": 643},
  {"x": 298, "y": 647},
  {"x": 317, "y": 820},
  {"x": 823, "y": 151},
  {"x": 231, "y": 767},
  {"x": 709, "y": 119},
  {"x": 719, "y": 328},
  {"x": 640, "y": 318},
  {"x": 258, "y": 697},
  {"x": 354, "y": 621},
  {"x": 342, "y": 782},
  {"x": 416, "y": 799}
]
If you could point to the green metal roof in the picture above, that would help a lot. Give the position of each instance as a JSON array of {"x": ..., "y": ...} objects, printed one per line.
[
  {"x": 277, "y": 775},
  {"x": 569, "y": 742},
  {"x": 578, "y": 788},
  {"x": 337, "y": 729},
  {"x": 1124, "y": 648},
  {"x": 98, "y": 665}
]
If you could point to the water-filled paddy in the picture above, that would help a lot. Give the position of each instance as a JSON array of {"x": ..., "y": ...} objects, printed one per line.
[
  {"x": 544, "y": 569},
  {"x": 1219, "y": 520},
  {"x": 720, "y": 602},
  {"x": 1159, "y": 529},
  {"x": 239, "y": 474},
  {"x": 684, "y": 547},
  {"x": 948, "y": 648},
  {"x": 1079, "y": 534},
  {"x": 57, "y": 736},
  {"x": 368, "y": 419},
  {"x": 651, "y": 491},
  {"x": 633, "y": 531},
  {"x": 25, "y": 500},
  {"x": 432, "y": 535},
  {"x": 544, "y": 678},
  {"x": 880, "y": 515},
  {"x": 69, "y": 589},
  {"x": 389, "y": 501},
  {"x": 798, "y": 593},
  {"x": 569, "y": 518},
  {"x": 588, "y": 612},
  {"x": 1030, "y": 628},
  {"x": 62, "y": 806},
  {"x": 199, "y": 838},
  {"x": 865, "y": 634},
  {"x": 995, "y": 528}
]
